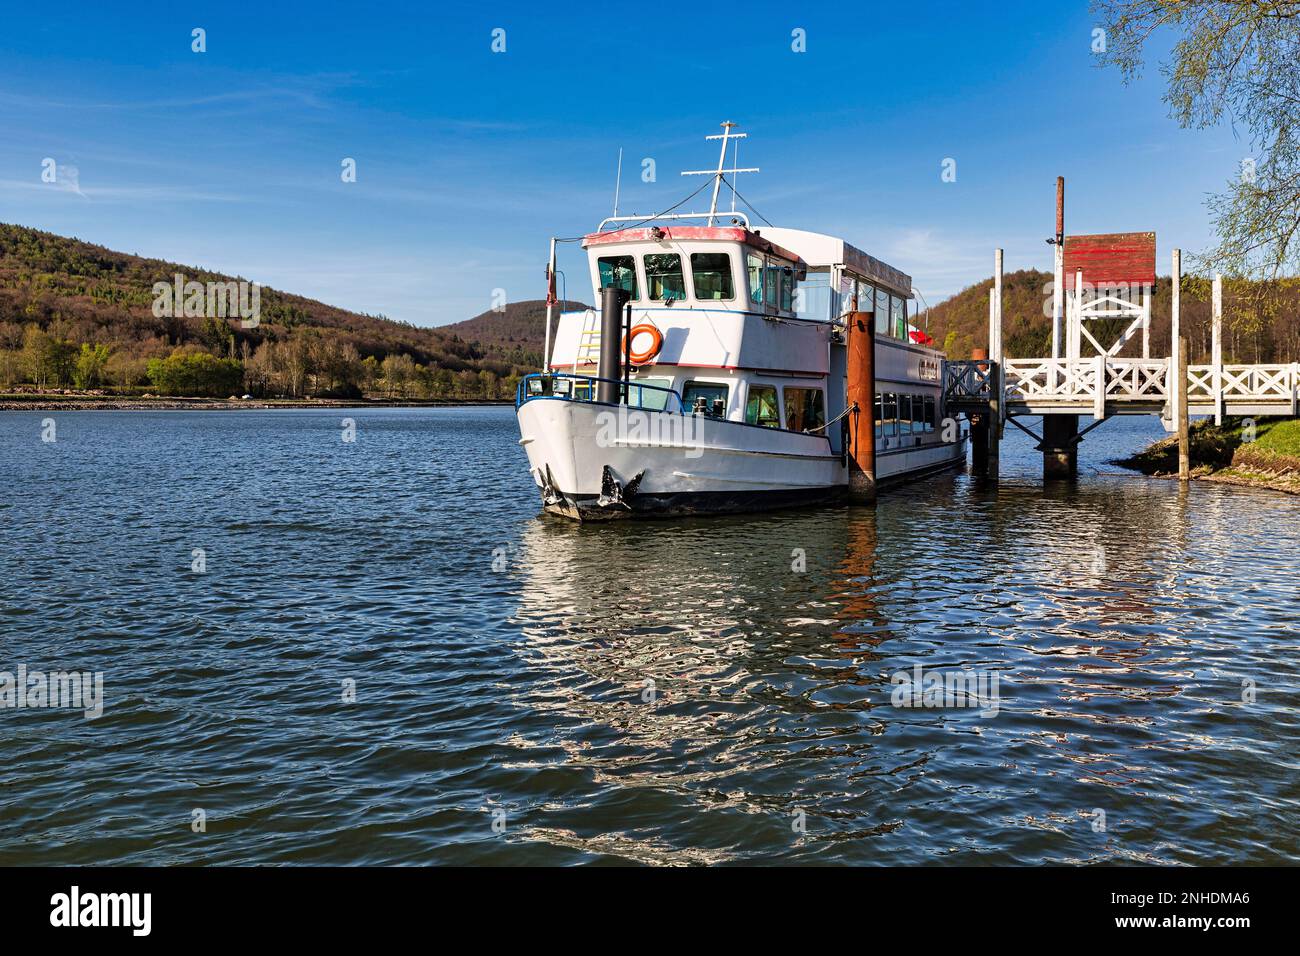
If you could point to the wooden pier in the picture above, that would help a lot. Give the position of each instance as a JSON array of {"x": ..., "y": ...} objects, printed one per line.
[{"x": 1070, "y": 386}]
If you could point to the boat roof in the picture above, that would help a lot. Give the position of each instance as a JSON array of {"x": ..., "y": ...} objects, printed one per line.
[
  {"x": 747, "y": 237},
  {"x": 817, "y": 249}
]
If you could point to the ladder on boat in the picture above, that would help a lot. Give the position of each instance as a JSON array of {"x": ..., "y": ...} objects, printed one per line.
[{"x": 589, "y": 340}]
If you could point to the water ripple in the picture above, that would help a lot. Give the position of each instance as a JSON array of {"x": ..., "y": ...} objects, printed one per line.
[{"x": 391, "y": 658}]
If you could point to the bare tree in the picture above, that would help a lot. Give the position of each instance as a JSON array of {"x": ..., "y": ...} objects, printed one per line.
[{"x": 1237, "y": 60}]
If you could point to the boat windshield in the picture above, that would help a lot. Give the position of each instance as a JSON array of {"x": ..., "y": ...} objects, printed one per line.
[
  {"x": 663, "y": 273},
  {"x": 618, "y": 271}
]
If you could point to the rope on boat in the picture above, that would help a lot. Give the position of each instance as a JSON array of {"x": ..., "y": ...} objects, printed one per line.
[{"x": 848, "y": 411}]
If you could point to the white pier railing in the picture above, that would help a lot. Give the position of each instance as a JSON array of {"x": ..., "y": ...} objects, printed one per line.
[{"x": 1103, "y": 384}]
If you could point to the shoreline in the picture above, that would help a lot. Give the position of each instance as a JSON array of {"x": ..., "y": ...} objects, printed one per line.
[
  {"x": 1219, "y": 454},
  {"x": 65, "y": 403}
]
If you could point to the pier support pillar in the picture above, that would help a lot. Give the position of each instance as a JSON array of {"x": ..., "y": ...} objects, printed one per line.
[{"x": 1060, "y": 449}]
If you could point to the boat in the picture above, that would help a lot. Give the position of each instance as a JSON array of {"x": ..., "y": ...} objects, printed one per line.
[{"x": 731, "y": 368}]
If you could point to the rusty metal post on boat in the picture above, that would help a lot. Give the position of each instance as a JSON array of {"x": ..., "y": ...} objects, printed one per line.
[{"x": 860, "y": 346}]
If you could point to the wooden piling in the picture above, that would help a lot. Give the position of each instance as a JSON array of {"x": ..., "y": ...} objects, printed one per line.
[
  {"x": 860, "y": 348},
  {"x": 1216, "y": 345},
  {"x": 1058, "y": 274},
  {"x": 1184, "y": 430},
  {"x": 1176, "y": 362}
]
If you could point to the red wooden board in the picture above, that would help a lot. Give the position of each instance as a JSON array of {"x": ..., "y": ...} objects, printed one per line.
[{"x": 1113, "y": 258}]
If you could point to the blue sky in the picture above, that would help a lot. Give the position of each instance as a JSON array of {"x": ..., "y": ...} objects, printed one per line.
[{"x": 469, "y": 160}]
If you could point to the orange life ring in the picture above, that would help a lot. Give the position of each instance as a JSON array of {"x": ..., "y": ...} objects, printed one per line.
[{"x": 646, "y": 355}]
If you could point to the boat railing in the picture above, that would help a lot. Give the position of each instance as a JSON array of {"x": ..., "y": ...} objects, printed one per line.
[
  {"x": 568, "y": 387},
  {"x": 663, "y": 217}
]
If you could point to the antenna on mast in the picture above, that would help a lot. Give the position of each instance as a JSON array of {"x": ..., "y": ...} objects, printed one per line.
[
  {"x": 735, "y": 157},
  {"x": 618, "y": 179},
  {"x": 726, "y": 136}
]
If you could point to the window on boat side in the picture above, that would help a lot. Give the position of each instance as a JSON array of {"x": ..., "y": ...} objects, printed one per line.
[
  {"x": 905, "y": 414},
  {"x": 663, "y": 274},
  {"x": 931, "y": 422},
  {"x": 771, "y": 283},
  {"x": 711, "y": 273},
  {"x": 898, "y": 311},
  {"x": 812, "y": 297},
  {"x": 755, "y": 268},
  {"x": 868, "y": 295},
  {"x": 618, "y": 271},
  {"x": 882, "y": 312},
  {"x": 804, "y": 408},
  {"x": 654, "y": 398},
  {"x": 761, "y": 407},
  {"x": 880, "y": 415},
  {"x": 847, "y": 296},
  {"x": 891, "y": 415},
  {"x": 709, "y": 398}
]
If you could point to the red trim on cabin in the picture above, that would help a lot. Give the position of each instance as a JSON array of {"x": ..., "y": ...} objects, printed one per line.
[
  {"x": 715, "y": 233},
  {"x": 721, "y": 368}
]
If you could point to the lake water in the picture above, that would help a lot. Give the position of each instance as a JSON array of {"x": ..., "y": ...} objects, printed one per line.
[{"x": 714, "y": 690}]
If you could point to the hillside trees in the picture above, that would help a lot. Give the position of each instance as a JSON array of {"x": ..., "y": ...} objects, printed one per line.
[{"x": 72, "y": 313}]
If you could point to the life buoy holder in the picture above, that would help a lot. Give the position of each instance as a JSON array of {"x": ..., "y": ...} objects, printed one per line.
[{"x": 647, "y": 355}]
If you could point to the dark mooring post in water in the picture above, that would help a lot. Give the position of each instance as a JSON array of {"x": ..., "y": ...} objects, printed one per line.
[
  {"x": 1060, "y": 447},
  {"x": 979, "y": 443},
  {"x": 860, "y": 348},
  {"x": 612, "y": 300}
]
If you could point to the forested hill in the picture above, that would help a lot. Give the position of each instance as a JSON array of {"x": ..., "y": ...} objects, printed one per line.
[
  {"x": 77, "y": 314},
  {"x": 518, "y": 330},
  {"x": 1261, "y": 322}
]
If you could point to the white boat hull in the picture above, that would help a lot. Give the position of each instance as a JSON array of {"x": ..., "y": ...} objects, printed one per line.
[{"x": 665, "y": 464}]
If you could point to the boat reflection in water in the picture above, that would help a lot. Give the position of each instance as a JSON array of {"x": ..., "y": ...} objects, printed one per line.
[
  {"x": 726, "y": 689},
  {"x": 694, "y": 660}
]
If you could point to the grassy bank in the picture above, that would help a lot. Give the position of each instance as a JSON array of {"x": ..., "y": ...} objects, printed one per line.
[{"x": 1227, "y": 453}]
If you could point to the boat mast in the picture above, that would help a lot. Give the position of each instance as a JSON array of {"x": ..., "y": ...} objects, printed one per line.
[{"x": 726, "y": 136}]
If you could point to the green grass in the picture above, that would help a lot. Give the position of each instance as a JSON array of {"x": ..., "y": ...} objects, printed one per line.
[
  {"x": 1276, "y": 448},
  {"x": 1280, "y": 436}
]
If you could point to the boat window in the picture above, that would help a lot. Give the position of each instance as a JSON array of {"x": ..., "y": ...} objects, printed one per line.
[
  {"x": 787, "y": 288},
  {"x": 868, "y": 295},
  {"x": 804, "y": 409},
  {"x": 891, "y": 414},
  {"x": 880, "y": 415},
  {"x": 618, "y": 271},
  {"x": 882, "y": 313},
  {"x": 812, "y": 297},
  {"x": 771, "y": 283},
  {"x": 905, "y": 414},
  {"x": 761, "y": 407},
  {"x": 898, "y": 311},
  {"x": 711, "y": 272},
  {"x": 707, "y": 397},
  {"x": 650, "y": 398},
  {"x": 663, "y": 274},
  {"x": 931, "y": 422},
  {"x": 755, "y": 278},
  {"x": 846, "y": 295}
]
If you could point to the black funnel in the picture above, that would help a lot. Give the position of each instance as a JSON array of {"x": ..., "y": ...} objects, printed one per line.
[{"x": 612, "y": 300}]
